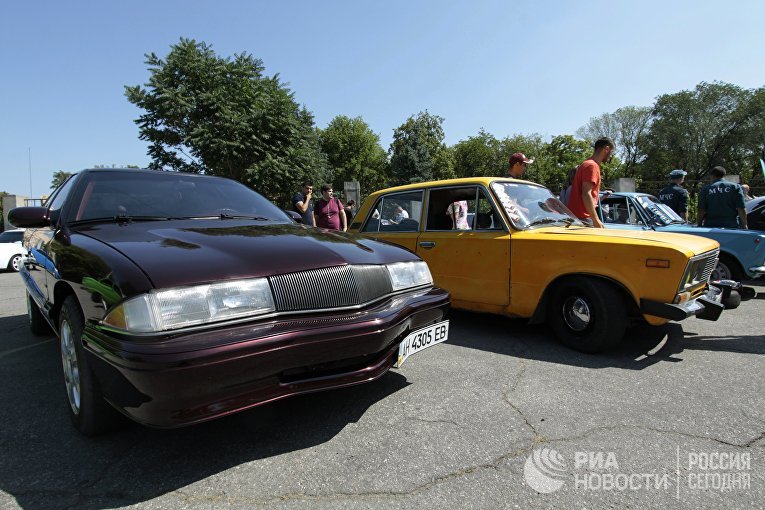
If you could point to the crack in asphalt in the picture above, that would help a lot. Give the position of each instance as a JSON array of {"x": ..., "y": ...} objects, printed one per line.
[{"x": 612, "y": 428}]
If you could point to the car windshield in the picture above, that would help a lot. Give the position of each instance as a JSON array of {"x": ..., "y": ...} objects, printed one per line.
[
  {"x": 661, "y": 214},
  {"x": 530, "y": 206},
  {"x": 142, "y": 195}
]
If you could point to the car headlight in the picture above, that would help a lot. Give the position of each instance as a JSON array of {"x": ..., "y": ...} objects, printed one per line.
[
  {"x": 404, "y": 275},
  {"x": 181, "y": 307}
]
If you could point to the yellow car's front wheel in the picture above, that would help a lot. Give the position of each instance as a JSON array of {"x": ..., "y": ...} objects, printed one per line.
[{"x": 587, "y": 314}]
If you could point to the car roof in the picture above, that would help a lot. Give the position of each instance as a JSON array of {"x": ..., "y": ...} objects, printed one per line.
[{"x": 464, "y": 181}]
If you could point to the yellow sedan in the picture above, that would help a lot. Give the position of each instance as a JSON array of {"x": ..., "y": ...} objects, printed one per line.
[{"x": 510, "y": 247}]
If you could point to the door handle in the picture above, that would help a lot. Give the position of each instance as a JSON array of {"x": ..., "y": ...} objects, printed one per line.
[{"x": 427, "y": 244}]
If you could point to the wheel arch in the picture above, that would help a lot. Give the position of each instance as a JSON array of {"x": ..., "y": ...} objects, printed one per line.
[
  {"x": 61, "y": 291},
  {"x": 540, "y": 312},
  {"x": 731, "y": 258}
]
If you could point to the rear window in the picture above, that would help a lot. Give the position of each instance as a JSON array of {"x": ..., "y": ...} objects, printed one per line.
[{"x": 11, "y": 237}]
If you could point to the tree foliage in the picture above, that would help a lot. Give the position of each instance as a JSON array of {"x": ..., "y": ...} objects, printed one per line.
[
  {"x": 418, "y": 152},
  {"x": 224, "y": 116},
  {"x": 354, "y": 153},
  {"x": 479, "y": 155},
  {"x": 714, "y": 124},
  {"x": 627, "y": 127},
  {"x": 59, "y": 178}
]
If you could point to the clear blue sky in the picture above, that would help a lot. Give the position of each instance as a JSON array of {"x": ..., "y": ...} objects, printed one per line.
[{"x": 506, "y": 66}]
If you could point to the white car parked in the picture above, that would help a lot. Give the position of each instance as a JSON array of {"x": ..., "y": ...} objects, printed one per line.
[{"x": 11, "y": 251}]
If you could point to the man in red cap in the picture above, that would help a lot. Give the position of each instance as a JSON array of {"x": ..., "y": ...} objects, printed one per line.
[{"x": 517, "y": 166}]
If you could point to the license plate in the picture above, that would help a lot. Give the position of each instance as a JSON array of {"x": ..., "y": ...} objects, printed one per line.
[{"x": 422, "y": 339}]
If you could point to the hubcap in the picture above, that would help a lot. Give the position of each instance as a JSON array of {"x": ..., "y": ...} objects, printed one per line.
[
  {"x": 16, "y": 262},
  {"x": 721, "y": 272},
  {"x": 71, "y": 367},
  {"x": 577, "y": 313}
]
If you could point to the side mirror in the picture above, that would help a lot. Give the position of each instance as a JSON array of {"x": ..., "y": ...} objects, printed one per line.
[
  {"x": 29, "y": 217},
  {"x": 295, "y": 216}
]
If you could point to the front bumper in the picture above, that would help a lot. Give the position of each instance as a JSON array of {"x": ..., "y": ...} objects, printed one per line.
[
  {"x": 186, "y": 379},
  {"x": 707, "y": 307},
  {"x": 758, "y": 270}
]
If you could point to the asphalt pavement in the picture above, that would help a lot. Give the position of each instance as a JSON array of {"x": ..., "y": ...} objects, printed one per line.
[{"x": 500, "y": 416}]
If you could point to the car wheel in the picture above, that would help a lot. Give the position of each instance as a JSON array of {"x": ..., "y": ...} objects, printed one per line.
[
  {"x": 587, "y": 314},
  {"x": 37, "y": 323},
  {"x": 89, "y": 412},
  {"x": 727, "y": 269},
  {"x": 15, "y": 262}
]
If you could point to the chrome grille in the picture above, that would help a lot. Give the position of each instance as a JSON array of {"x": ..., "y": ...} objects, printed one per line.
[
  {"x": 699, "y": 270},
  {"x": 708, "y": 265},
  {"x": 330, "y": 287}
]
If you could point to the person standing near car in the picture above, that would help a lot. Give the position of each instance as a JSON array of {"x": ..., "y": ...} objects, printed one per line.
[
  {"x": 350, "y": 210},
  {"x": 721, "y": 203},
  {"x": 329, "y": 211},
  {"x": 303, "y": 205},
  {"x": 674, "y": 195},
  {"x": 586, "y": 186},
  {"x": 517, "y": 165}
]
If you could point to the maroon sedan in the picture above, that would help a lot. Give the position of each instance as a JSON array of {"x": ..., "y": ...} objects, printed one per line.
[{"x": 179, "y": 298}]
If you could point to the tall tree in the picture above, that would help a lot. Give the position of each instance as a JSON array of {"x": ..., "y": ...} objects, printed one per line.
[
  {"x": 714, "y": 124},
  {"x": 58, "y": 178},
  {"x": 224, "y": 116},
  {"x": 418, "y": 152},
  {"x": 627, "y": 127},
  {"x": 354, "y": 153},
  {"x": 479, "y": 155}
]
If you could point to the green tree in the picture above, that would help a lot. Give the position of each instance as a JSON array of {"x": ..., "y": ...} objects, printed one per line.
[
  {"x": 714, "y": 124},
  {"x": 418, "y": 152},
  {"x": 224, "y": 116},
  {"x": 479, "y": 155},
  {"x": 354, "y": 153},
  {"x": 58, "y": 178},
  {"x": 627, "y": 127}
]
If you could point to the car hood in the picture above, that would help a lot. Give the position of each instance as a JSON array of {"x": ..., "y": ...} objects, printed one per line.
[
  {"x": 183, "y": 252},
  {"x": 683, "y": 242}
]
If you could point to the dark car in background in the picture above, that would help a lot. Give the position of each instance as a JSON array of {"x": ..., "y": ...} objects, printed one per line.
[{"x": 178, "y": 298}]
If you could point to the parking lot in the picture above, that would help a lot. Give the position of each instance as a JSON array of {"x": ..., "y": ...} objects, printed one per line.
[{"x": 675, "y": 417}]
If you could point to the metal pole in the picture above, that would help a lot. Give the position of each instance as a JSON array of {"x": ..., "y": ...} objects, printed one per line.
[{"x": 30, "y": 173}]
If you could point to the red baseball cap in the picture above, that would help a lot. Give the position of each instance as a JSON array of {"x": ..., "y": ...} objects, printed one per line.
[{"x": 519, "y": 157}]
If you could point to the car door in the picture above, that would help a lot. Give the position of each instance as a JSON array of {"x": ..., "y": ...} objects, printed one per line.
[
  {"x": 473, "y": 264},
  {"x": 396, "y": 217},
  {"x": 41, "y": 244}
]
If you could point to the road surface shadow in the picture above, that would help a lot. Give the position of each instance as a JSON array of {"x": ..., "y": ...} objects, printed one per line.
[
  {"x": 45, "y": 463},
  {"x": 641, "y": 347}
]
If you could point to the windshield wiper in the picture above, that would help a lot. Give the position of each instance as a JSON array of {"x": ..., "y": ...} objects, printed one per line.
[
  {"x": 226, "y": 216},
  {"x": 120, "y": 218},
  {"x": 547, "y": 221}
]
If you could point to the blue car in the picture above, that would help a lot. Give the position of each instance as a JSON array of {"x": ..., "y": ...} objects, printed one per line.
[{"x": 742, "y": 252}]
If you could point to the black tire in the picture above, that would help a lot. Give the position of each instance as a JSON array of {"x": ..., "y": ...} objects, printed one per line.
[
  {"x": 727, "y": 269},
  {"x": 37, "y": 323},
  {"x": 15, "y": 263},
  {"x": 587, "y": 314},
  {"x": 89, "y": 412},
  {"x": 733, "y": 301}
]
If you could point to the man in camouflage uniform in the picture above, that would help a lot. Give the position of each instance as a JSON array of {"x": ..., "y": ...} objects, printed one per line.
[
  {"x": 721, "y": 203},
  {"x": 674, "y": 195}
]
